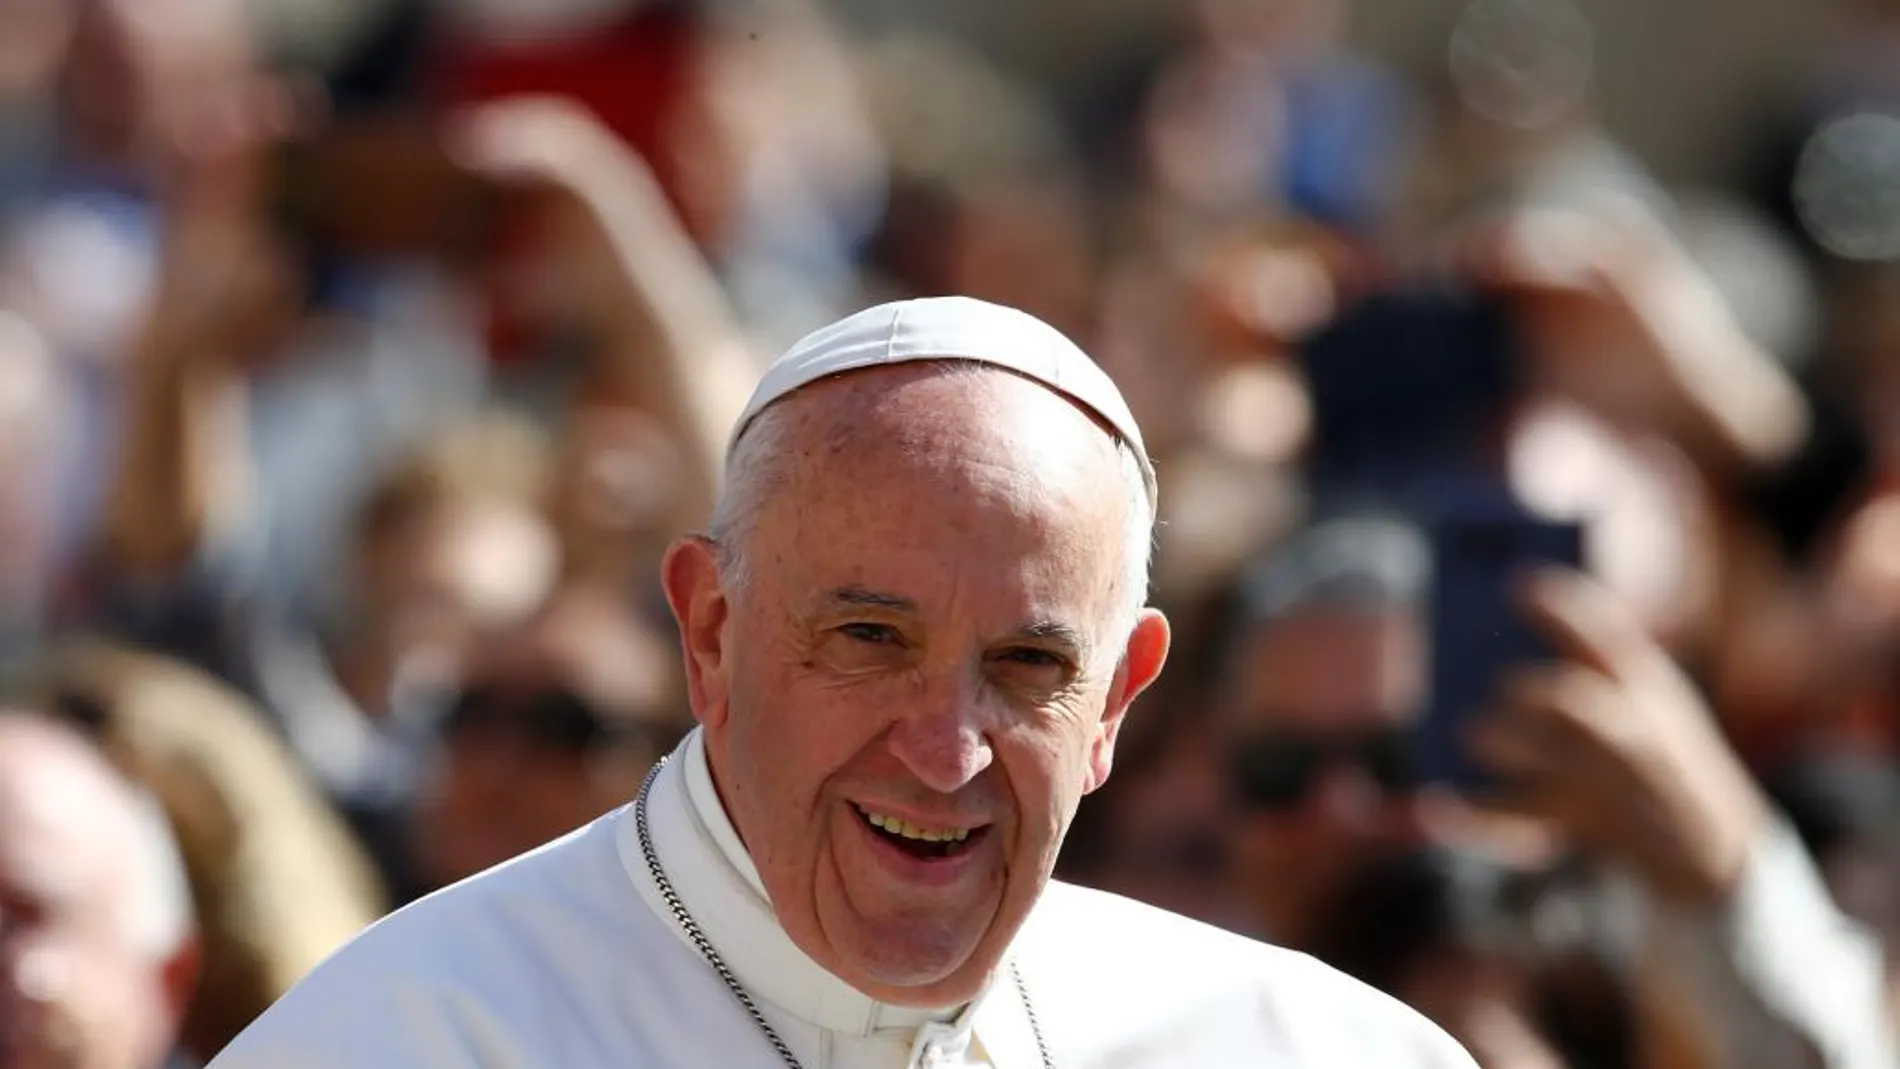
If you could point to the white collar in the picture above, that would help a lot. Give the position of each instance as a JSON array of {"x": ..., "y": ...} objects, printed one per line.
[{"x": 715, "y": 877}]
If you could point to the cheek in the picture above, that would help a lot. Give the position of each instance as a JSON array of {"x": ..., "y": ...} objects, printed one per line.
[
  {"x": 786, "y": 733},
  {"x": 1047, "y": 770},
  {"x": 97, "y": 1006}
]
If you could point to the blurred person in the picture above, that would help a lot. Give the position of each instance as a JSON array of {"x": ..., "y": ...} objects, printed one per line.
[
  {"x": 1321, "y": 677},
  {"x": 1652, "y": 407},
  {"x": 1258, "y": 105},
  {"x": 1243, "y": 304},
  {"x": 99, "y": 961},
  {"x": 751, "y": 117},
  {"x": 1604, "y": 284},
  {"x": 1513, "y": 121},
  {"x": 456, "y": 539},
  {"x": 985, "y": 197},
  {"x": 555, "y": 725},
  {"x": 366, "y": 246},
  {"x": 1736, "y": 914},
  {"x": 131, "y": 86},
  {"x": 1206, "y": 338},
  {"x": 277, "y": 882},
  {"x": 1155, "y": 832},
  {"x": 1846, "y": 808},
  {"x": 1745, "y": 953},
  {"x": 1470, "y": 943},
  {"x": 1653, "y": 525},
  {"x": 782, "y": 112},
  {"x": 1597, "y": 304},
  {"x": 451, "y": 544},
  {"x": 848, "y": 861},
  {"x": 1582, "y": 358}
]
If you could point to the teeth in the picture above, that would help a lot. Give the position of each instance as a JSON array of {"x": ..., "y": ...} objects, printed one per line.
[{"x": 911, "y": 831}]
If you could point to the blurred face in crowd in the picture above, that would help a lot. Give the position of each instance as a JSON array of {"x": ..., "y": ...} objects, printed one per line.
[
  {"x": 1315, "y": 722},
  {"x": 520, "y": 769},
  {"x": 431, "y": 583},
  {"x": 924, "y": 669},
  {"x": 561, "y": 720},
  {"x": 78, "y": 990}
]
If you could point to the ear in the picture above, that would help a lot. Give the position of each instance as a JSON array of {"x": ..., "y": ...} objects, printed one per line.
[
  {"x": 1140, "y": 665},
  {"x": 690, "y": 574}
]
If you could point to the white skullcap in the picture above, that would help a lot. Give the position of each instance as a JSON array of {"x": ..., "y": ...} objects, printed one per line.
[{"x": 953, "y": 328}]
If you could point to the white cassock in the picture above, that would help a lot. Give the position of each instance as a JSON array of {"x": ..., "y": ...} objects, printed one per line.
[{"x": 569, "y": 958}]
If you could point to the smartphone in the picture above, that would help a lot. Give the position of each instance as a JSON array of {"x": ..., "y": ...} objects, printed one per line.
[
  {"x": 1481, "y": 549},
  {"x": 1411, "y": 378},
  {"x": 383, "y": 188}
]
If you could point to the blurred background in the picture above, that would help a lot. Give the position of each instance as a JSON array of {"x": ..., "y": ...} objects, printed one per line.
[{"x": 359, "y": 357}]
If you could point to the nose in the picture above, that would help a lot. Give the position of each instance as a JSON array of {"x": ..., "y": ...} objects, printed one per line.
[{"x": 940, "y": 740}]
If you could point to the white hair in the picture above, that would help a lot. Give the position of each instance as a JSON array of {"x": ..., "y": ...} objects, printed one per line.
[
  {"x": 756, "y": 470},
  {"x": 160, "y": 916}
]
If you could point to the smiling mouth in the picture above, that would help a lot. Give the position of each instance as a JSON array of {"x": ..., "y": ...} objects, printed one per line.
[{"x": 920, "y": 842}]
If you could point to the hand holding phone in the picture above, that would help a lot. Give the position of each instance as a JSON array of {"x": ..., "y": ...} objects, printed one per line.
[
  {"x": 1614, "y": 746},
  {"x": 1482, "y": 552}
]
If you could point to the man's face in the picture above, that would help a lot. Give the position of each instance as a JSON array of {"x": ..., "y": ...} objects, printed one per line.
[
  {"x": 929, "y": 641},
  {"x": 1315, "y": 723},
  {"x": 75, "y": 993}
]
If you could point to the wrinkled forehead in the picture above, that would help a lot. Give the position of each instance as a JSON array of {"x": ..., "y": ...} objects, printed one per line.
[
  {"x": 1328, "y": 668},
  {"x": 912, "y": 481}
]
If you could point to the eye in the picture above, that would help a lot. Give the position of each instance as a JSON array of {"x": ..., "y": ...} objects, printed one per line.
[
  {"x": 871, "y": 634},
  {"x": 1031, "y": 657},
  {"x": 1036, "y": 669}
]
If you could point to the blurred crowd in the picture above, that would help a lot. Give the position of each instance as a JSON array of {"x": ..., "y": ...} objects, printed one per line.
[{"x": 358, "y": 360}]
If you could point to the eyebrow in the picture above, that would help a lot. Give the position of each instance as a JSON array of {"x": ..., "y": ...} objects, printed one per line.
[
  {"x": 1053, "y": 631},
  {"x": 859, "y": 597}
]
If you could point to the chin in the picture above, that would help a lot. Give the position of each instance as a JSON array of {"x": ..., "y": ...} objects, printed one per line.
[
  {"x": 897, "y": 962},
  {"x": 922, "y": 985}
]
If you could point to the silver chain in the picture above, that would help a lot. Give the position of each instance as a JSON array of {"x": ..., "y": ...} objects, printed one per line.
[{"x": 697, "y": 936}]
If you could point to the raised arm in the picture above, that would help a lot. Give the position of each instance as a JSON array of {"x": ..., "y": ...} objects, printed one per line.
[
  {"x": 184, "y": 464},
  {"x": 673, "y": 347}
]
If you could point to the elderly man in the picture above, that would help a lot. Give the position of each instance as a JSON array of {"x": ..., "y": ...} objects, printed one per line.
[
  {"x": 910, "y": 642},
  {"x": 97, "y": 958}
]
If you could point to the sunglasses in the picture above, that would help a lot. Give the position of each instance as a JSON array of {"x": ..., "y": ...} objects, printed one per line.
[
  {"x": 1277, "y": 771},
  {"x": 553, "y": 719}
]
